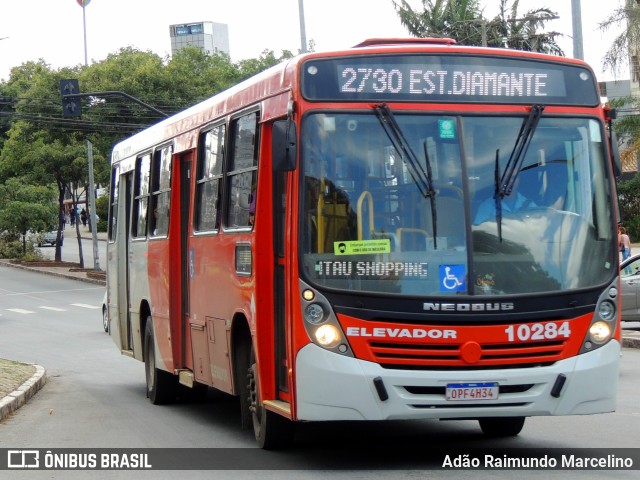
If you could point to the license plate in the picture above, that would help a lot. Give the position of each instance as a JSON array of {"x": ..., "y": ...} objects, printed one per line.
[{"x": 472, "y": 391}]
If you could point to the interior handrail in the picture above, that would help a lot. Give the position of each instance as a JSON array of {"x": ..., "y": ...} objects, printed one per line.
[{"x": 365, "y": 195}]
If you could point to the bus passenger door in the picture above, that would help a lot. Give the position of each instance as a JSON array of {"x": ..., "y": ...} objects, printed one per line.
[
  {"x": 284, "y": 162},
  {"x": 184, "y": 187},
  {"x": 122, "y": 262},
  {"x": 280, "y": 196}
]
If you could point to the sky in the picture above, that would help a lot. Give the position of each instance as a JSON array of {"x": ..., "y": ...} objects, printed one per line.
[{"x": 52, "y": 30}]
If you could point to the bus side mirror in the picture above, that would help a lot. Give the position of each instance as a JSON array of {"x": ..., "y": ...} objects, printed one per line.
[
  {"x": 615, "y": 154},
  {"x": 284, "y": 146}
]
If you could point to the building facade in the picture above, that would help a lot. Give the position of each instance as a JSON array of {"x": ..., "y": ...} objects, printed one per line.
[{"x": 209, "y": 36}]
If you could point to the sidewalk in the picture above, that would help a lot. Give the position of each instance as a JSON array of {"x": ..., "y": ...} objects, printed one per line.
[
  {"x": 19, "y": 382},
  {"x": 65, "y": 269}
]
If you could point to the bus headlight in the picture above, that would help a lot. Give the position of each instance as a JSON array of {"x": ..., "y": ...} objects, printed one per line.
[
  {"x": 321, "y": 323},
  {"x": 327, "y": 335},
  {"x": 600, "y": 332},
  {"x": 604, "y": 322}
]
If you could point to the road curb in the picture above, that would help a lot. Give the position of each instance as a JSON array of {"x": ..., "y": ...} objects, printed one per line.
[
  {"x": 630, "y": 342},
  {"x": 23, "y": 393},
  {"x": 80, "y": 278}
]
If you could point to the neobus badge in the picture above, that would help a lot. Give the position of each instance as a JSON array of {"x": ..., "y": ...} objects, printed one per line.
[{"x": 468, "y": 307}]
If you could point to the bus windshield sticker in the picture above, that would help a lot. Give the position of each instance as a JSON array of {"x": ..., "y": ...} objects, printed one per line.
[
  {"x": 453, "y": 278},
  {"x": 447, "y": 128},
  {"x": 362, "y": 247}
]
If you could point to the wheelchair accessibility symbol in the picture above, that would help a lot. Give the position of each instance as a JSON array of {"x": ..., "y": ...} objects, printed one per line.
[{"x": 453, "y": 278}]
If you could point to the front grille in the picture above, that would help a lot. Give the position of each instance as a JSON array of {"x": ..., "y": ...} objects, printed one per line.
[{"x": 441, "y": 357}]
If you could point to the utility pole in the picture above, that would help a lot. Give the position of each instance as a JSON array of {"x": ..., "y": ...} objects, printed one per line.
[
  {"x": 303, "y": 32},
  {"x": 576, "y": 21},
  {"x": 90, "y": 195}
]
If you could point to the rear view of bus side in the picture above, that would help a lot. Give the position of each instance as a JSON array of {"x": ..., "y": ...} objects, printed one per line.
[{"x": 408, "y": 229}]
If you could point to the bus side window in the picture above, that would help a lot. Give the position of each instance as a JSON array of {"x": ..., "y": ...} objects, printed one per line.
[
  {"x": 242, "y": 176},
  {"x": 113, "y": 207},
  {"x": 141, "y": 196},
  {"x": 161, "y": 191},
  {"x": 208, "y": 182}
]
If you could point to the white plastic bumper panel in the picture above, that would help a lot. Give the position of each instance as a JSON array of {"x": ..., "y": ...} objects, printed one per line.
[{"x": 333, "y": 387}]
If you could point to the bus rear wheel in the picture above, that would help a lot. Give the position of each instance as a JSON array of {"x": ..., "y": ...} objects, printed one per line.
[
  {"x": 501, "y": 426},
  {"x": 271, "y": 430},
  {"x": 162, "y": 386}
]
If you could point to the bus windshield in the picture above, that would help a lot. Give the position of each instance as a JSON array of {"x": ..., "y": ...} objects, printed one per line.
[{"x": 375, "y": 218}]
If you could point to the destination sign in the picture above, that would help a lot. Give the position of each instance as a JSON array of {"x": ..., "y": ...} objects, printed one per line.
[
  {"x": 418, "y": 81},
  {"x": 448, "y": 78}
]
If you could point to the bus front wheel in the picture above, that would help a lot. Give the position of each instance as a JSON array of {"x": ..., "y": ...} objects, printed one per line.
[
  {"x": 501, "y": 426},
  {"x": 271, "y": 430},
  {"x": 161, "y": 386}
]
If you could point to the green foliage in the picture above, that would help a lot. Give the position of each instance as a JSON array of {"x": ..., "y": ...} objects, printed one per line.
[
  {"x": 102, "y": 210},
  {"x": 463, "y": 21},
  {"x": 10, "y": 249},
  {"x": 42, "y": 148},
  {"x": 457, "y": 19},
  {"x": 627, "y": 16},
  {"x": 25, "y": 207},
  {"x": 13, "y": 247},
  {"x": 629, "y": 204}
]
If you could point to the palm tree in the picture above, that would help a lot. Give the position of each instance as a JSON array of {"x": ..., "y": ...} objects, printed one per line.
[
  {"x": 627, "y": 42},
  {"x": 457, "y": 19},
  {"x": 522, "y": 32},
  {"x": 463, "y": 21}
]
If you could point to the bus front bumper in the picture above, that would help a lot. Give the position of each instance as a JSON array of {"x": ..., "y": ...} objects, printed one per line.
[{"x": 334, "y": 387}]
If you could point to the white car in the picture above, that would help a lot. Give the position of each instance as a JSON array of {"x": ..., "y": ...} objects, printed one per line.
[{"x": 105, "y": 314}]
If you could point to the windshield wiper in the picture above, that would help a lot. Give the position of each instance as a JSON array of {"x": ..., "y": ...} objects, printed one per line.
[
  {"x": 422, "y": 179},
  {"x": 505, "y": 182}
]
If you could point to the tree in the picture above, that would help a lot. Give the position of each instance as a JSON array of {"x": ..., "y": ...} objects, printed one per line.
[
  {"x": 250, "y": 67},
  {"x": 36, "y": 148},
  {"x": 627, "y": 41},
  {"x": 25, "y": 207},
  {"x": 629, "y": 205},
  {"x": 457, "y": 19},
  {"x": 463, "y": 21},
  {"x": 523, "y": 32},
  {"x": 46, "y": 149}
]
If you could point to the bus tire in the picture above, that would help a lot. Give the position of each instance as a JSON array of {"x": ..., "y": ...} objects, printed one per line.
[
  {"x": 161, "y": 386},
  {"x": 272, "y": 431},
  {"x": 501, "y": 426}
]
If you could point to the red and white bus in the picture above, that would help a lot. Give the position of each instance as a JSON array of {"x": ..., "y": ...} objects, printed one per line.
[{"x": 407, "y": 229}]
